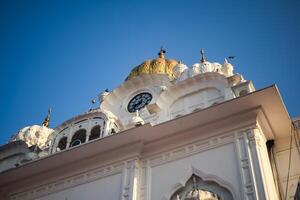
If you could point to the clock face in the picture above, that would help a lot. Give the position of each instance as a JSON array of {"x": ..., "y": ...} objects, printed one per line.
[{"x": 139, "y": 101}]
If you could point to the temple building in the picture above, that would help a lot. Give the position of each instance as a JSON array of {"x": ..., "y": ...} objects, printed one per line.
[{"x": 168, "y": 132}]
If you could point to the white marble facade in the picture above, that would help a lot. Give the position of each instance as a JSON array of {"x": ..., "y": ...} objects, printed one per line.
[{"x": 199, "y": 135}]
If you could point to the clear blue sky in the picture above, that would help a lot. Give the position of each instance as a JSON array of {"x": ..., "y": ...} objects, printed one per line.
[{"x": 63, "y": 53}]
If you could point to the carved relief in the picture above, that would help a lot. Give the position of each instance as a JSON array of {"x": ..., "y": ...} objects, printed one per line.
[
  {"x": 197, "y": 188},
  {"x": 130, "y": 180},
  {"x": 245, "y": 168}
]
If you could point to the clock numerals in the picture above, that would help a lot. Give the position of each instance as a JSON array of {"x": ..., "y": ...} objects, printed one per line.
[{"x": 139, "y": 101}]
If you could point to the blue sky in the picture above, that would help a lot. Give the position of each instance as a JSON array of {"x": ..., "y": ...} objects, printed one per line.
[{"x": 63, "y": 53}]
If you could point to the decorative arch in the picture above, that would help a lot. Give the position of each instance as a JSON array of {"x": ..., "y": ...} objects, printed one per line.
[
  {"x": 85, "y": 123},
  {"x": 203, "y": 91},
  {"x": 201, "y": 82},
  {"x": 197, "y": 99},
  {"x": 62, "y": 144},
  {"x": 204, "y": 182},
  {"x": 78, "y": 138},
  {"x": 95, "y": 132}
]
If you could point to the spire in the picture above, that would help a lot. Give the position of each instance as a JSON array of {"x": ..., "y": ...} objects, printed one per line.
[
  {"x": 161, "y": 53},
  {"x": 47, "y": 119},
  {"x": 202, "y": 55}
]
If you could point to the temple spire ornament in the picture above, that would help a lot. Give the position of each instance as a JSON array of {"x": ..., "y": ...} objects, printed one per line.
[
  {"x": 202, "y": 55},
  {"x": 161, "y": 53},
  {"x": 47, "y": 119}
]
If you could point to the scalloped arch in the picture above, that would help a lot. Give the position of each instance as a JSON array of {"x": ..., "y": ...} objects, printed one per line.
[{"x": 204, "y": 177}]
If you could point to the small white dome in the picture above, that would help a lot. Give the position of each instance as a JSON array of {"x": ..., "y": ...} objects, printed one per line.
[
  {"x": 178, "y": 69},
  {"x": 203, "y": 67},
  {"x": 217, "y": 67},
  {"x": 195, "y": 69},
  {"x": 33, "y": 135},
  {"x": 227, "y": 68}
]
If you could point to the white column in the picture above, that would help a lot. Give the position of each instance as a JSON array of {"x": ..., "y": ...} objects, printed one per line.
[
  {"x": 69, "y": 137},
  {"x": 88, "y": 130}
]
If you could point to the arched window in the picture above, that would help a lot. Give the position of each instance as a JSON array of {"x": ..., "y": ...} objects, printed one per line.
[
  {"x": 78, "y": 138},
  {"x": 95, "y": 132},
  {"x": 62, "y": 143}
]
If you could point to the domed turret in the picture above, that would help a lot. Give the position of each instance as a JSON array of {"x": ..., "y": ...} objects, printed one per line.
[
  {"x": 35, "y": 135},
  {"x": 227, "y": 68},
  {"x": 159, "y": 65},
  {"x": 204, "y": 66},
  {"x": 179, "y": 69}
]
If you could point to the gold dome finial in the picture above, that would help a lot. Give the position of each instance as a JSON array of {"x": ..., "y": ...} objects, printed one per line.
[
  {"x": 202, "y": 55},
  {"x": 161, "y": 53},
  {"x": 160, "y": 65},
  {"x": 47, "y": 119}
]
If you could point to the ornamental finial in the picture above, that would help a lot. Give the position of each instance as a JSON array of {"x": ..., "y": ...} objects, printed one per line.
[
  {"x": 47, "y": 119},
  {"x": 202, "y": 55},
  {"x": 161, "y": 53}
]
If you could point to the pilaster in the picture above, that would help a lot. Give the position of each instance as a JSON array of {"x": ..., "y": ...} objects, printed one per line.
[
  {"x": 255, "y": 168},
  {"x": 130, "y": 183}
]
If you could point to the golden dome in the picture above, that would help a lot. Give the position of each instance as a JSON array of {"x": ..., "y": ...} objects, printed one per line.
[{"x": 159, "y": 65}]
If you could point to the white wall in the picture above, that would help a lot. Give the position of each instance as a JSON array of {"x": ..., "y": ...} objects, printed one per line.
[
  {"x": 107, "y": 188},
  {"x": 282, "y": 151},
  {"x": 219, "y": 162}
]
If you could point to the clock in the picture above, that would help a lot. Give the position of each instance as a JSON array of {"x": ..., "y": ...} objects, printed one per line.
[{"x": 139, "y": 101}]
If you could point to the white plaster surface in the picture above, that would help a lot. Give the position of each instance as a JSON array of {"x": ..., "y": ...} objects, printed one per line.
[
  {"x": 224, "y": 165},
  {"x": 107, "y": 188}
]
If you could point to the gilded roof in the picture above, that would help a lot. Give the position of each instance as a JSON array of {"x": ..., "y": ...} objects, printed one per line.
[{"x": 159, "y": 65}]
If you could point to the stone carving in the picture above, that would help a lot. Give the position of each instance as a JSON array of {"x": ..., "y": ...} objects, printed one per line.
[{"x": 198, "y": 189}]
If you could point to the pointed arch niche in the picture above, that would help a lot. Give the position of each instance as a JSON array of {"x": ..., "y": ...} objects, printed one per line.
[{"x": 198, "y": 187}]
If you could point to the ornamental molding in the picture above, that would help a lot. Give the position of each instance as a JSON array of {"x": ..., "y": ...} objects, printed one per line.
[
  {"x": 196, "y": 147},
  {"x": 200, "y": 82},
  {"x": 249, "y": 143},
  {"x": 72, "y": 181},
  {"x": 141, "y": 168},
  {"x": 83, "y": 117},
  {"x": 255, "y": 137}
]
